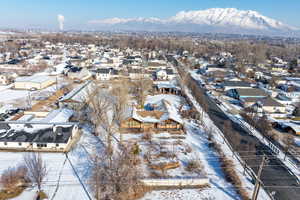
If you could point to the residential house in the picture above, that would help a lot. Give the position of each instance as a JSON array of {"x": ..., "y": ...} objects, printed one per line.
[
  {"x": 170, "y": 74},
  {"x": 291, "y": 127},
  {"x": 269, "y": 105},
  {"x": 81, "y": 75},
  {"x": 161, "y": 74},
  {"x": 152, "y": 120},
  {"x": 227, "y": 85},
  {"x": 139, "y": 73},
  {"x": 35, "y": 82},
  {"x": 167, "y": 88},
  {"x": 103, "y": 74},
  {"x": 155, "y": 65},
  {"x": 242, "y": 93},
  {"x": 37, "y": 136},
  {"x": 77, "y": 96}
]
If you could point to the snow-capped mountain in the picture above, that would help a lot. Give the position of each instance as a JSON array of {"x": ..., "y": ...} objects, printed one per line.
[{"x": 224, "y": 20}]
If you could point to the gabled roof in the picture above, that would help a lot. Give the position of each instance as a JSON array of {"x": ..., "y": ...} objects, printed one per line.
[
  {"x": 77, "y": 94},
  {"x": 167, "y": 85},
  {"x": 34, "y": 79},
  {"x": 103, "y": 71},
  {"x": 251, "y": 92},
  {"x": 236, "y": 84},
  {"x": 134, "y": 71},
  {"x": 155, "y": 116},
  {"x": 268, "y": 101},
  {"x": 170, "y": 71}
]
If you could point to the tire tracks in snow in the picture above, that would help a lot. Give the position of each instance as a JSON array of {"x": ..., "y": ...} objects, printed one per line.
[{"x": 59, "y": 177}]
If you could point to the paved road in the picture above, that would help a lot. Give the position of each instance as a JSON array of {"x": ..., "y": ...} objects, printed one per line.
[{"x": 275, "y": 176}]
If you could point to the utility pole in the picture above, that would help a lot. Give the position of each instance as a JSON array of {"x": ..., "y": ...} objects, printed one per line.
[
  {"x": 56, "y": 82},
  {"x": 29, "y": 99},
  {"x": 258, "y": 181}
]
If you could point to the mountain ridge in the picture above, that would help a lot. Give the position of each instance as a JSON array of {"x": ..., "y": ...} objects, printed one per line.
[{"x": 213, "y": 20}]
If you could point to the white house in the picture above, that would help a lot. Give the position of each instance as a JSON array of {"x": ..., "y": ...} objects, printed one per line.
[
  {"x": 28, "y": 136},
  {"x": 161, "y": 74},
  {"x": 269, "y": 105},
  {"x": 165, "y": 74},
  {"x": 103, "y": 74}
]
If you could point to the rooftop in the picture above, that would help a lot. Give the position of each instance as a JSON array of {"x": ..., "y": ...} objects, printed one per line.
[
  {"x": 237, "y": 83},
  {"x": 248, "y": 92},
  {"x": 33, "y": 132},
  {"x": 34, "y": 79}
]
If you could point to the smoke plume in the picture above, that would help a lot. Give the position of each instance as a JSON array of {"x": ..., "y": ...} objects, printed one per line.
[{"x": 61, "y": 19}]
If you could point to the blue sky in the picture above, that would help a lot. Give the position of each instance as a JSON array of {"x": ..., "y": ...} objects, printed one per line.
[{"x": 43, "y": 13}]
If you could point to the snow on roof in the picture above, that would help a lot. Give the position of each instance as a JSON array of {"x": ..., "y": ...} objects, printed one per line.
[
  {"x": 167, "y": 85},
  {"x": 295, "y": 127},
  {"x": 60, "y": 67},
  {"x": 172, "y": 112},
  {"x": 61, "y": 115},
  {"x": 26, "y": 118},
  {"x": 6, "y": 108},
  {"x": 167, "y": 109},
  {"x": 285, "y": 124},
  {"x": 148, "y": 116},
  {"x": 78, "y": 93},
  {"x": 34, "y": 79}
]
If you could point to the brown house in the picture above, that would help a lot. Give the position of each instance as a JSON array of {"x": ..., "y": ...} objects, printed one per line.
[
  {"x": 157, "y": 121},
  {"x": 167, "y": 88}
]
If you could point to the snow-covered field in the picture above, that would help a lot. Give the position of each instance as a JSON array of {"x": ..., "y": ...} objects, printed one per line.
[{"x": 68, "y": 184}]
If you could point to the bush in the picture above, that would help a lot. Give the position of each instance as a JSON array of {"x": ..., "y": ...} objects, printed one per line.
[
  {"x": 14, "y": 177},
  {"x": 188, "y": 149},
  {"x": 230, "y": 173},
  {"x": 147, "y": 137},
  {"x": 232, "y": 177},
  {"x": 4, "y": 194},
  {"x": 194, "y": 166},
  {"x": 42, "y": 195},
  {"x": 136, "y": 149}
]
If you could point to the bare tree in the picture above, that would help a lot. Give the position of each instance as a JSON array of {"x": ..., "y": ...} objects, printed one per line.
[
  {"x": 13, "y": 177},
  {"x": 120, "y": 93},
  {"x": 141, "y": 88},
  {"x": 115, "y": 180},
  {"x": 288, "y": 141},
  {"x": 101, "y": 112},
  {"x": 36, "y": 168}
]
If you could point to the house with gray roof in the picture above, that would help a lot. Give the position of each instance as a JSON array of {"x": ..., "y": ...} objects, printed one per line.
[
  {"x": 269, "y": 105},
  {"x": 37, "y": 136},
  {"x": 227, "y": 85},
  {"x": 242, "y": 93}
]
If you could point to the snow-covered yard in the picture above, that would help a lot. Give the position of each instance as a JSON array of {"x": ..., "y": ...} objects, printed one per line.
[
  {"x": 193, "y": 145},
  {"x": 60, "y": 174},
  {"x": 62, "y": 182}
]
